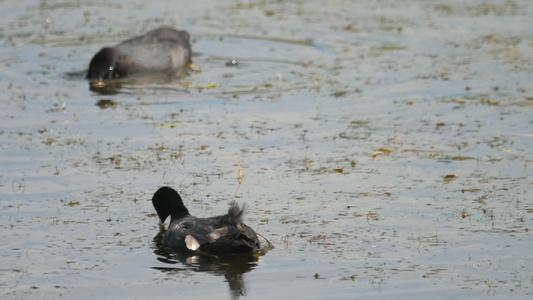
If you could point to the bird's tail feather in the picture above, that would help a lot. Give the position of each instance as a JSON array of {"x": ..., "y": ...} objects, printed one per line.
[{"x": 235, "y": 213}]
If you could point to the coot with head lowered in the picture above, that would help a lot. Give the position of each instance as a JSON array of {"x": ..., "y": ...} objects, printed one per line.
[{"x": 161, "y": 50}]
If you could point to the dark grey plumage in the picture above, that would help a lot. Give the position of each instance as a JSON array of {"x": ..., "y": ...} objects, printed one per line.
[
  {"x": 220, "y": 235},
  {"x": 159, "y": 50}
]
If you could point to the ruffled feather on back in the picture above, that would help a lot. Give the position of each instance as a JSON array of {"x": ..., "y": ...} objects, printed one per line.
[{"x": 235, "y": 213}]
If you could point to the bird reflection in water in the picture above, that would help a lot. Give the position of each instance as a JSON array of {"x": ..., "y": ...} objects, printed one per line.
[
  {"x": 169, "y": 81},
  {"x": 232, "y": 267}
]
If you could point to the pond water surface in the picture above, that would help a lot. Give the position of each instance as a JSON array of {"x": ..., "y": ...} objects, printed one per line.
[{"x": 385, "y": 147}]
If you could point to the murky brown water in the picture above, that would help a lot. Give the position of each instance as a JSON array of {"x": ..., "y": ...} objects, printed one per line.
[{"x": 385, "y": 146}]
